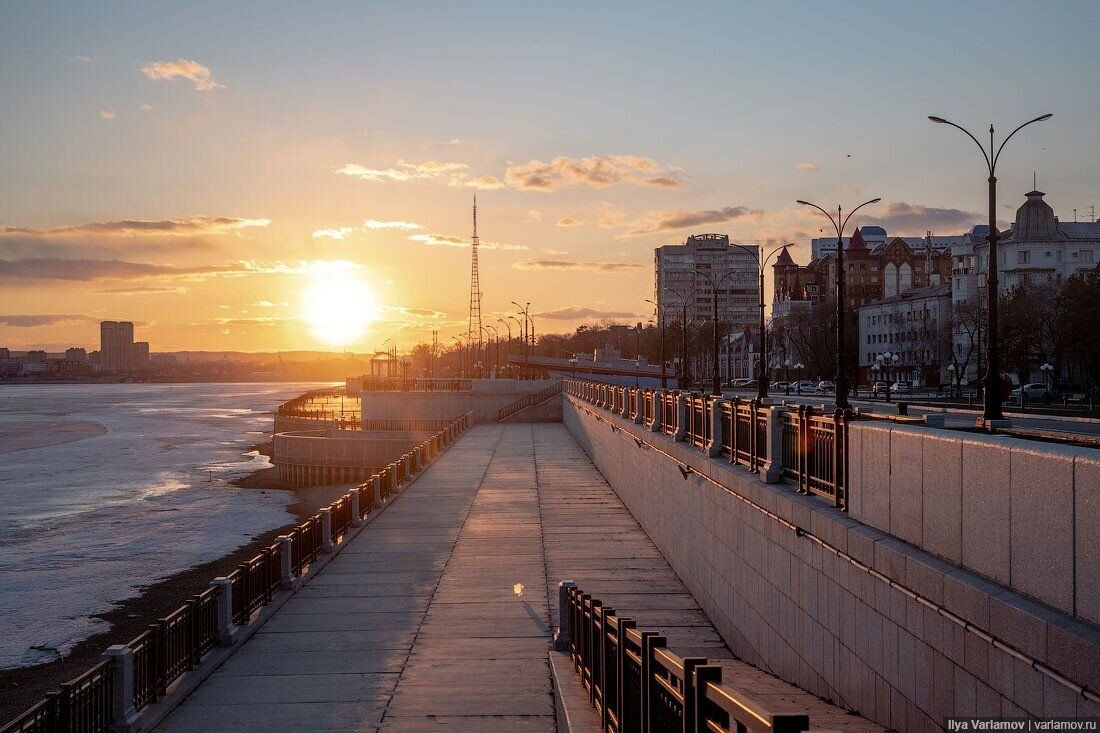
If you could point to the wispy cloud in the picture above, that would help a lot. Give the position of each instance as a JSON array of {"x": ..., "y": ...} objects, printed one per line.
[
  {"x": 670, "y": 221},
  {"x": 486, "y": 183},
  {"x": 577, "y": 265},
  {"x": 34, "y": 321},
  {"x": 82, "y": 59},
  {"x": 534, "y": 216},
  {"x": 904, "y": 219},
  {"x": 182, "y": 68},
  {"x": 375, "y": 224},
  {"x": 180, "y": 227},
  {"x": 25, "y": 271},
  {"x": 595, "y": 171},
  {"x": 807, "y": 167},
  {"x": 404, "y": 172},
  {"x": 568, "y": 221},
  {"x": 446, "y": 240},
  {"x": 428, "y": 313},
  {"x": 333, "y": 233},
  {"x": 582, "y": 313},
  {"x": 143, "y": 290},
  {"x": 108, "y": 114}
]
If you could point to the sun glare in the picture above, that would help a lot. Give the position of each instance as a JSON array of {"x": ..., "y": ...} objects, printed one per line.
[{"x": 337, "y": 304}]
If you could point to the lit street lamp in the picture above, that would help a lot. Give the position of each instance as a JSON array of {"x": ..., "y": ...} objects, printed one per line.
[
  {"x": 841, "y": 380},
  {"x": 1048, "y": 373},
  {"x": 992, "y": 379}
]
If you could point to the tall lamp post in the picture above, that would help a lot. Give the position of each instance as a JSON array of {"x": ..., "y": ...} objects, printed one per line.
[
  {"x": 663, "y": 320},
  {"x": 525, "y": 310},
  {"x": 992, "y": 412},
  {"x": 685, "y": 378},
  {"x": 461, "y": 356},
  {"x": 716, "y": 379},
  {"x": 839, "y": 224}
]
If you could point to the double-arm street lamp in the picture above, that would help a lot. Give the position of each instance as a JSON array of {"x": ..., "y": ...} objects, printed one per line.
[
  {"x": 839, "y": 224},
  {"x": 526, "y": 311},
  {"x": 685, "y": 378},
  {"x": 664, "y": 381},
  {"x": 992, "y": 377},
  {"x": 716, "y": 380},
  {"x": 461, "y": 355}
]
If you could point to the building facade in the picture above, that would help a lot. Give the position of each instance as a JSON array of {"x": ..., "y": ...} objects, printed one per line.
[
  {"x": 116, "y": 345},
  {"x": 688, "y": 275},
  {"x": 916, "y": 327}
]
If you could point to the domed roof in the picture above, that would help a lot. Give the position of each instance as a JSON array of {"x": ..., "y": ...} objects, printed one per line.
[
  {"x": 873, "y": 231},
  {"x": 1035, "y": 220}
]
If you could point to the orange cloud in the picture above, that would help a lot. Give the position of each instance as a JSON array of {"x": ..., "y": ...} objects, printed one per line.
[
  {"x": 595, "y": 171},
  {"x": 193, "y": 71}
]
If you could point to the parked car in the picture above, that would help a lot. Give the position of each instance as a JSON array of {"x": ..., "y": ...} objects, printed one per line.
[
  {"x": 879, "y": 388},
  {"x": 1034, "y": 391},
  {"x": 804, "y": 387},
  {"x": 779, "y": 385},
  {"x": 901, "y": 388},
  {"x": 825, "y": 387},
  {"x": 741, "y": 383}
]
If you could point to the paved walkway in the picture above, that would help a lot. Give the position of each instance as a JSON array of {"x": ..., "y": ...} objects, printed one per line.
[{"x": 438, "y": 615}]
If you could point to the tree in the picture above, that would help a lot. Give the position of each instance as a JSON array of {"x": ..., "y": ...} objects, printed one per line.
[{"x": 1077, "y": 304}]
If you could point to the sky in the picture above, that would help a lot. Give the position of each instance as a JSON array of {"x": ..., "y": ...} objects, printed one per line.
[{"x": 266, "y": 176}]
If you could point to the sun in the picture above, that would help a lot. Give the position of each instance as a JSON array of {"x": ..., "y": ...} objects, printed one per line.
[{"x": 337, "y": 303}]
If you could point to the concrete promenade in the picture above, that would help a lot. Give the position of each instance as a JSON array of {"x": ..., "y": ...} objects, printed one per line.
[{"x": 439, "y": 614}]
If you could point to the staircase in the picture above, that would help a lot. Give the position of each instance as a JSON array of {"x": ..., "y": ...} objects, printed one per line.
[{"x": 531, "y": 400}]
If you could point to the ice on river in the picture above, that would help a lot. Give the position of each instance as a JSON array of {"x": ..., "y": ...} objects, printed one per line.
[{"x": 108, "y": 488}]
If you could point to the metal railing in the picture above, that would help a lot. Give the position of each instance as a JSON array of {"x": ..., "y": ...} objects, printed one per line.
[
  {"x": 529, "y": 400},
  {"x": 810, "y": 449},
  {"x": 175, "y": 644},
  {"x": 636, "y": 683}
]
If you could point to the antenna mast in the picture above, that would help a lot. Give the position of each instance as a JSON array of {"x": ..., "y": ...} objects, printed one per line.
[{"x": 473, "y": 325}]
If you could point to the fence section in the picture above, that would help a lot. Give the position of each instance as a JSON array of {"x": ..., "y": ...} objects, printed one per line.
[
  {"x": 529, "y": 401},
  {"x": 175, "y": 644},
  {"x": 810, "y": 449},
  {"x": 636, "y": 683}
]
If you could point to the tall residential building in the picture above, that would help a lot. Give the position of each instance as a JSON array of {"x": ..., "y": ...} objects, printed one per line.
[
  {"x": 914, "y": 325},
  {"x": 141, "y": 355},
  {"x": 76, "y": 354},
  {"x": 686, "y": 274},
  {"x": 116, "y": 345}
]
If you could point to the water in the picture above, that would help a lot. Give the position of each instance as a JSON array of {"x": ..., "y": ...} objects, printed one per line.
[{"x": 108, "y": 488}]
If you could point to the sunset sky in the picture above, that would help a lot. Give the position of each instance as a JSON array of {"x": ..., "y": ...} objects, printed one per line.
[{"x": 229, "y": 174}]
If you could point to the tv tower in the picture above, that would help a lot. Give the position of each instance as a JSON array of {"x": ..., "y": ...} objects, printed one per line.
[{"x": 473, "y": 327}]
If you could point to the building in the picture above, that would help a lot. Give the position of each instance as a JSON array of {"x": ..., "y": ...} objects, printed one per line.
[
  {"x": 141, "y": 355},
  {"x": 76, "y": 354},
  {"x": 737, "y": 356},
  {"x": 915, "y": 325},
  {"x": 116, "y": 345},
  {"x": 36, "y": 356},
  {"x": 874, "y": 236},
  {"x": 685, "y": 275}
]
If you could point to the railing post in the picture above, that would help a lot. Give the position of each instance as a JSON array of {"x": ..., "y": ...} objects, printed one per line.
[
  {"x": 625, "y": 625},
  {"x": 356, "y": 519},
  {"x": 640, "y": 399},
  {"x": 774, "y": 448},
  {"x": 691, "y": 712},
  {"x": 562, "y": 637},
  {"x": 714, "y": 446},
  {"x": 839, "y": 449},
  {"x": 408, "y": 466},
  {"x": 650, "y": 639},
  {"x": 376, "y": 481},
  {"x": 227, "y": 630},
  {"x": 681, "y": 418},
  {"x": 805, "y": 412},
  {"x": 123, "y": 714},
  {"x": 327, "y": 545},
  {"x": 705, "y": 674},
  {"x": 286, "y": 561},
  {"x": 657, "y": 400}
]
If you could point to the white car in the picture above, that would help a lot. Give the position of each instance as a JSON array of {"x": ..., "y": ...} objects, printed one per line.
[
  {"x": 1033, "y": 391},
  {"x": 901, "y": 388},
  {"x": 736, "y": 383},
  {"x": 804, "y": 387}
]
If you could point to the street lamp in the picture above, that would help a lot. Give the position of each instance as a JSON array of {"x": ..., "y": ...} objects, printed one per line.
[
  {"x": 661, "y": 317},
  {"x": 954, "y": 386},
  {"x": 685, "y": 378},
  {"x": 992, "y": 379},
  {"x": 841, "y": 380},
  {"x": 461, "y": 356},
  {"x": 716, "y": 380},
  {"x": 1048, "y": 373},
  {"x": 573, "y": 365},
  {"x": 883, "y": 363},
  {"x": 525, "y": 310}
]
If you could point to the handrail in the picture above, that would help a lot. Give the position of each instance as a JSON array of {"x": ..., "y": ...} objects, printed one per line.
[
  {"x": 653, "y": 688},
  {"x": 528, "y": 401},
  {"x": 178, "y": 642}
]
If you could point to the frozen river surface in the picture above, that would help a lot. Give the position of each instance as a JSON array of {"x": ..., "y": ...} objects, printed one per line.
[{"x": 107, "y": 488}]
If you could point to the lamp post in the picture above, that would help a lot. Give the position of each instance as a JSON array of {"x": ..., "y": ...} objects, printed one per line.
[
  {"x": 525, "y": 310},
  {"x": 1048, "y": 373},
  {"x": 954, "y": 385},
  {"x": 663, "y": 320},
  {"x": 685, "y": 378},
  {"x": 841, "y": 379},
  {"x": 992, "y": 412},
  {"x": 573, "y": 365},
  {"x": 716, "y": 379},
  {"x": 461, "y": 356},
  {"x": 883, "y": 362},
  {"x": 494, "y": 355}
]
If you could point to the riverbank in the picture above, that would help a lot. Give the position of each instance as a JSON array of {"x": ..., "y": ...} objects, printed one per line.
[{"x": 20, "y": 688}]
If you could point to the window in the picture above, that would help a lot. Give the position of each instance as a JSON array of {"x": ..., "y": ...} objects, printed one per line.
[
  {"x": 1023, "y": 257},
  {"x": 1086, "y": 255}
]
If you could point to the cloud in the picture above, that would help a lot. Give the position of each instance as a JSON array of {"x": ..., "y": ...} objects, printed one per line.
[
  {"x": 24, "y": 271},
  {"x": 568, "y": 221},
  {"x": 904, "y": 219},
  {"x": 34, "y": 321},
  {"x": 259, "y": 321},
  {"x": 108, "y": 114},
  {"x": 375, "y": 224},
  {"x": 486, "y": 183},
  {"x": 670, "y": 221},
  {"x": 178, "y": 227},
  {"x": 264, "y": 304},
  {"x": 404, "y": 172},
  {"x": 446, "y": 240},
  {"x": 145, "y": 106},
  {"x": 428, "y": 313},
  {"x": 142, "y": 290},
  {"x": 576, "y": 265},
  {"x": 807, "y": 167},
  {"x": 578, "y": 313},
  {"x": 185, "y": 69},
  {"x": 595, "y": 171},
  {"x": 333, "y": 233},
  {"x": 454, "y": 141},
  {"x": 82, "y": 59},
  {"x": 534, "y": 216}
]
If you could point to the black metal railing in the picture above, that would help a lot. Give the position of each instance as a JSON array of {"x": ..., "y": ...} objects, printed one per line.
[
  {"x": 811, "y": 449},
  {"x": 636, "y": 683},
  {"x": 529, "y": 400},
  {"x": 177, "y": 643}
]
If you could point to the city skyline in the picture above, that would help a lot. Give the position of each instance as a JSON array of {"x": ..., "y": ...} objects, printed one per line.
[{"x": 210, "y": 175}]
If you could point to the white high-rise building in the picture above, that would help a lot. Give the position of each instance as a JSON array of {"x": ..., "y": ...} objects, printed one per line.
[
  {"x": 684, "y": 273},
  {"x": 116, "y": 345}
]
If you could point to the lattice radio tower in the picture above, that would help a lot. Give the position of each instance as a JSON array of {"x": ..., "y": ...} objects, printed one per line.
[{"x": 473, "y": 328}]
